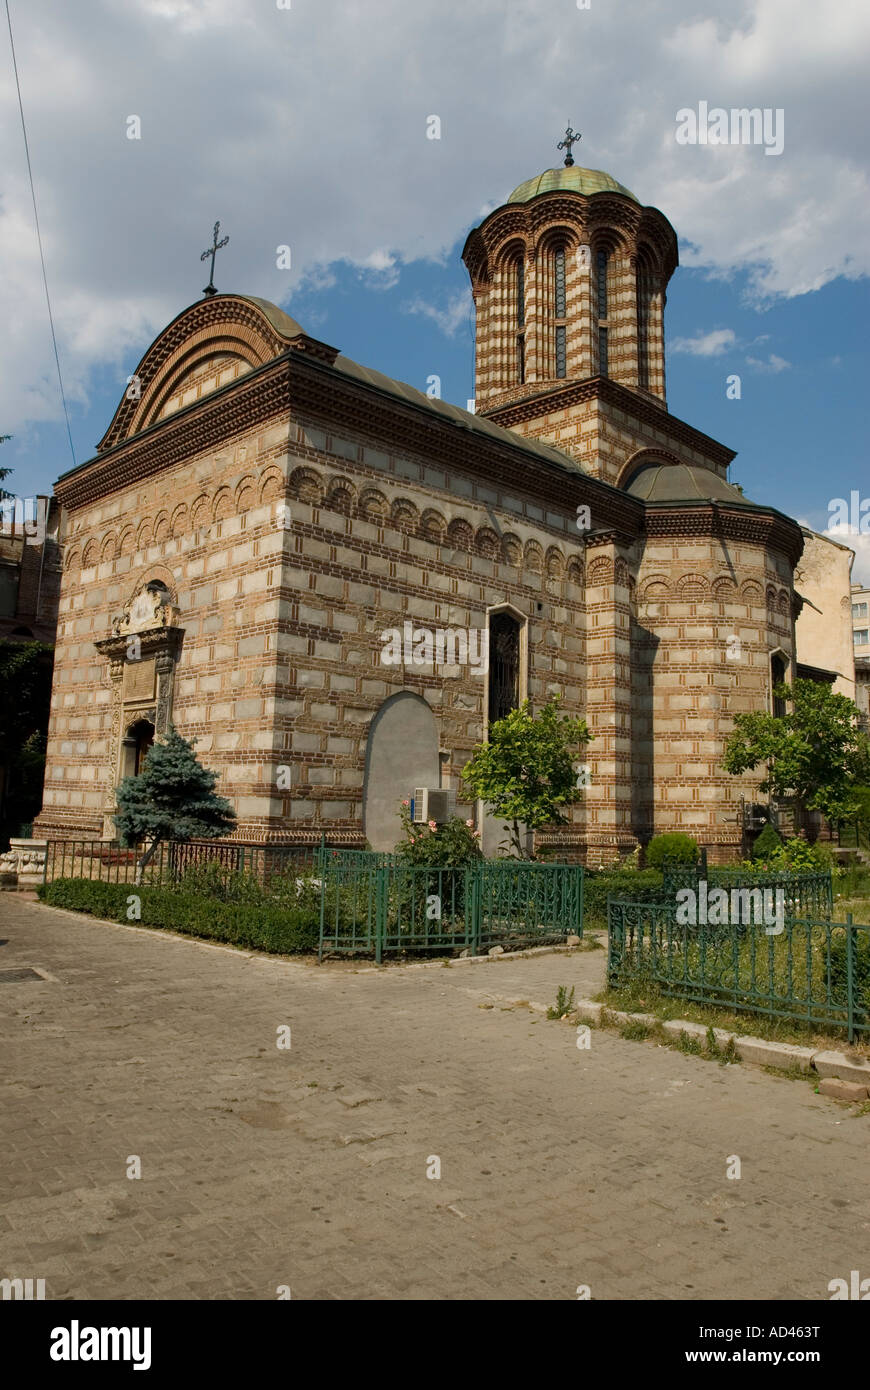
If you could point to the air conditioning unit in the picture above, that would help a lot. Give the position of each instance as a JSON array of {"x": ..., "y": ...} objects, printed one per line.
[{"x": 432, "y": 803}]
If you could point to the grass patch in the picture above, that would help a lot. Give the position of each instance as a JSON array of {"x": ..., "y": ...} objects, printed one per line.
[
  {"x": 564, "y": 1003},
  {"x": 645, "y": 997}
]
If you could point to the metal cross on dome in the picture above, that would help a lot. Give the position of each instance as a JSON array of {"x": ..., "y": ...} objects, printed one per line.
[
  {"x": 570, "y": 139},
  {"x": 213, "y": 249}
]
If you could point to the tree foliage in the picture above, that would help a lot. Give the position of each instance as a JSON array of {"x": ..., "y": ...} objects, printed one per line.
[
  {"x": 526, "y": 773},
  {"x": 172, "y": 798},
  {"x": 814, "y": 753},
  {"x": 25, "y": 698}
]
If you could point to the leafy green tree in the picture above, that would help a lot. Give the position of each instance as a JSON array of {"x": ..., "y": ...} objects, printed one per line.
[
  {"x": 25, "y": 697},
  {"x": 814, "y": 753},
  {"x": 525, "y": 772},
  {"x": 172, "y": 798}
]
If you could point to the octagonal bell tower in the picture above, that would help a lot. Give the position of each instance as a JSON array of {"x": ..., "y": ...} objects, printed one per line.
[{"x": 569, "y": 279}]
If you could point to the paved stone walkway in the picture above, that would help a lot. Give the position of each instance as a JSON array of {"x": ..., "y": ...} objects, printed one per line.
[{"x": 307, "y": 1167}]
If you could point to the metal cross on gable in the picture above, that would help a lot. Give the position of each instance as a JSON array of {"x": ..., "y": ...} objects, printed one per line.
[
  {"x": 213, "y": 249},
  {"x": 570, "y": 139}
]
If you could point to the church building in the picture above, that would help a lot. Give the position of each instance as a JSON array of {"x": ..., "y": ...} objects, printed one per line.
[{"x": 335, "y": 583}]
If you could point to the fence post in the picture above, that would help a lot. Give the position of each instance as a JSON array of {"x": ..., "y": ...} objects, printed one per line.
[
  {"x": 850, "y": 976},
  {"x": 381, "y": 895},
  {"x": 472, "y": 907},
  {"x": 322, "y": 914}
]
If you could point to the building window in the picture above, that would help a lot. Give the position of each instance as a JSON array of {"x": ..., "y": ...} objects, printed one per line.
[
  {"x": 521, "y": 294},
  {"x": 602, "y": 352},
  {"x": 559, "y": 267},
  {"x": 134, "y": 747},
  {"x": 521, "y": 359},
  {"x": 561, "y": 351},
  {"x": 859, "y": 610},
  {"x": 778, "y": 670},
  {"x": 602, "y": 284},
  {"x": 504, "y": 665},
  {"x": 862, "y": 636}
]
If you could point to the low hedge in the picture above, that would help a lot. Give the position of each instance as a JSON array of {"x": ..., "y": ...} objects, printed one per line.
[
  {"x": 631, "y": 885},
  {"x": 258, "y": 926}
]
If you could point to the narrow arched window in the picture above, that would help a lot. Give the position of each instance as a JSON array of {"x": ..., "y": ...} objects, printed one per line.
[
  {"x": 559, "y": 313},
  {"x": 777, "y": 677},
  {"x": 504, "y": 665}
]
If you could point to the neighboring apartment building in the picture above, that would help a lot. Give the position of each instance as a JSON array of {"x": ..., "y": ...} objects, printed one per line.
[{"x": 861, "y": 620}]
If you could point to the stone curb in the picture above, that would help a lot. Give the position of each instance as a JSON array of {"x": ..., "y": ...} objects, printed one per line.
[{"x": 844, "y": 1079}]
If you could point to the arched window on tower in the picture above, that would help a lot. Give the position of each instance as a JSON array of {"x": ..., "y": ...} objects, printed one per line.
[
  {"x": 559, "y": 314},
  {"x": 601, "y": 268},
  {"x": 520, "y": 300}
]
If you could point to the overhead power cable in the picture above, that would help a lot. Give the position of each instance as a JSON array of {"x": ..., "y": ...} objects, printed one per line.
[{"x": 39, "y": 236}]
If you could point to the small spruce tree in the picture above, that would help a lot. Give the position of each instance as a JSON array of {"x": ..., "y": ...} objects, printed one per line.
[{"x": 172, "y": 798}]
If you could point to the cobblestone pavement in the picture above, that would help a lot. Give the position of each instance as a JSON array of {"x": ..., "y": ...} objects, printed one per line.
[{"x": 307, "y": 1167}]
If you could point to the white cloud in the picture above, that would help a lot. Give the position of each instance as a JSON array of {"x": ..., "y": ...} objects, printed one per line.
[
  {"x": 711, "y": 344},
  {"x": 307, "y": 127},
  {"x": 773, "y": 363},
  {"x": 458, "y": 312}
]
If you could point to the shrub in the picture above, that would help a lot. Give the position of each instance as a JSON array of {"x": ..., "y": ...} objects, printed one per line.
[
  {"x": 801, "y": 857},
  {"x": 448, "y": 846},
  {"x": 261, "y": 926},
  {"x": 767, "y": 843},
  {"x": 674, "y": 846}
]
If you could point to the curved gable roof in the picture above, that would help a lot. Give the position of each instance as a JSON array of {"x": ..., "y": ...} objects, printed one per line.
[{"x": 221, "y": 331}]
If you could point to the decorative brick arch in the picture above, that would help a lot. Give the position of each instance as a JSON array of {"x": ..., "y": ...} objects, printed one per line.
[
  {"x": 272, "y": 485},
  {"x": 655, "y": 588},
  {"x": 373, "y": 505},
  {"x": 600, "y": 571},
  {"x": 246, "y": 494},
  {"x": 306, "y": 484},
  {"x": 433, "y": 525},
  {"x": 487, "y": 543},
  {"x": 533, "y": 557},
  {"x": 404, "y": 515},
  {"x": 692, "y": 588},
  {"x": 460, "y": 534}
]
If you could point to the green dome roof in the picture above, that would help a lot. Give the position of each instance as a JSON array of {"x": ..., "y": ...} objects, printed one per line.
[{"x": 572, "y": 179}]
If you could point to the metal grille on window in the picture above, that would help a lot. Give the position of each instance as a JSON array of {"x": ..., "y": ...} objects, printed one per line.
[
  {"x": 559, "y": 266},
  {"x": 504, "y": 665},
  {"x": 602, "y": 284},
  {"x": 602, "y": 352},
  {"x": 521, "y": 359},
  {"x": 521, "y": 295},
  {"x": 561, "y": 351}
]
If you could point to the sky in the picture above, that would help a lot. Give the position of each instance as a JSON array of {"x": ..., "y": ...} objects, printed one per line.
[{"x": 305, "y": 124}]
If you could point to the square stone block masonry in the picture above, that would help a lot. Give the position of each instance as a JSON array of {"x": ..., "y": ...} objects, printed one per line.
[{"x": 336, "y": 583}]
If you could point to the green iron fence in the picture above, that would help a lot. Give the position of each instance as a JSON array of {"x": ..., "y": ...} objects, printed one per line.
[
  {"x": 813, "y": 970},
  {"x": 110, "y": 862},
  {"x": 805, "y": 893},
  {"x": 371, "y": 906}
]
